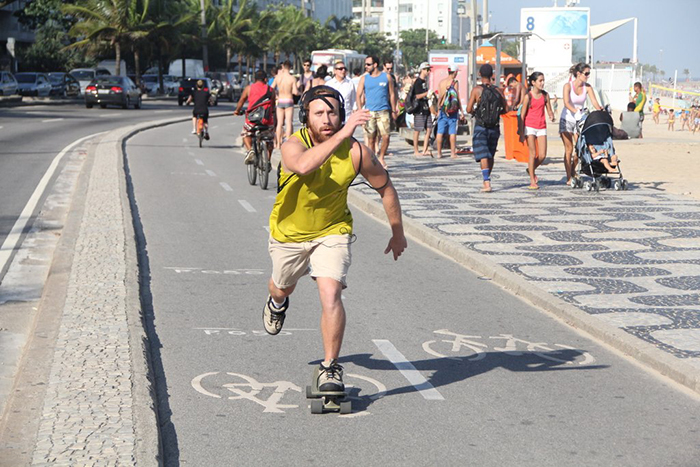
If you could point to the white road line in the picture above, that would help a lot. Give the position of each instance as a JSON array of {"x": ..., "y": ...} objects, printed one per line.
[
  {"x": 215, "y": 127},
  {"x": 190, "y": 153},
  {"x": 247, "y": 205},
  {"x": 409, "y": 371},
  {"x": 225, "y": 186},
  {"x": 49, "y": 120},
  {"x": 1, "y": 128},
  {"x": 267, "y": 228},
  {"x": 105, "y": 115},
  {"x": 184, "y": 140},
  {"x": 211, "y": 173},
  {"x": 14, "y": 235},
  {"x": 199, "y": 162},
  {"x": 162, "y": 111}
]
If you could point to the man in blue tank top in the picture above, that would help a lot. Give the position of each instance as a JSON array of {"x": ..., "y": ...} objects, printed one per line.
[{"x": 376, "y": 93}]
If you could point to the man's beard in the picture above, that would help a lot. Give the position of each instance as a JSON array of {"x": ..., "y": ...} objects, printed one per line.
[{"x": 320, "y": 137}]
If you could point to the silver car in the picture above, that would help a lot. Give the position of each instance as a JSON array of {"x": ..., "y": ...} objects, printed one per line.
[
  {"x": 86, "y": 75},
  {"x": 8, "y": 84},
  {"x": 33, "y": 84}
]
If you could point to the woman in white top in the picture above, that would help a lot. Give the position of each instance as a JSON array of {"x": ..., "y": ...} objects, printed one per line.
[{"x": 575, "y": 93}]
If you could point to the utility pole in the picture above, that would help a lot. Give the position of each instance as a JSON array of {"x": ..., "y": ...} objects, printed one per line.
[
  {"x": 427, "y": 31},
  {"x": 205, "y": 51}
]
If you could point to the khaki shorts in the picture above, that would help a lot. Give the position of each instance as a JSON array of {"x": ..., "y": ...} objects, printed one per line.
[
  {"x": 324, "y": 257},
  {"x": 379, "y": 121}
]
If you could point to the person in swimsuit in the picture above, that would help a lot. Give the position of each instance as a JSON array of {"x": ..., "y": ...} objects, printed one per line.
[
  {"x": 671, "y": 119},
  {"x": 656, "y": 110},
  {"x": 575, "y": 93},
  {"x": 286, "y": 86}
]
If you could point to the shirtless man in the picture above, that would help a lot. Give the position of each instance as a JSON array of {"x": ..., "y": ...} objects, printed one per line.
[{"x": 287, "y": 88}]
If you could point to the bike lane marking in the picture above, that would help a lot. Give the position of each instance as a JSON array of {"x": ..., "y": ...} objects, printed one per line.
[
  {"x": 15, "y": 234},
  {"x": 248, "y": 207},
  {"x": 409, "y": 371},
  {"x": 198, "y": 161},
  {"x": 225, "y": 186},
  {"x": 51, "y": 120},
  {"x": 211, "y": 173}
]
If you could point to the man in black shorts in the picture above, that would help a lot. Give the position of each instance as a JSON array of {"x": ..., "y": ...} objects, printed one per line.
[
  {"x": 201, "y": 98},
  {"x": 422, "y": 119}
]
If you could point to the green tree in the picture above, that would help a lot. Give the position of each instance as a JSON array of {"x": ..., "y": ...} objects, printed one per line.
[
  {"x": 230, "y": 27},
  {"x": 104, "y": 21},
  {"x": 686, "y": 72},
  {"x": 413, "y": 46},
  {"x": 377, "y": 44},
  {"x": 511, "y": 47},
  {"x": 48, "y": 52}
]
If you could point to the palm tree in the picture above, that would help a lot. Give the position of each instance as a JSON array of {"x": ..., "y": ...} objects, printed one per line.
[
  {"x": 229, "y": 28},
  {"x": 686, "y": 72},
  {"x": 293, "y": 32},
  {"x": 115, "y": 22}
]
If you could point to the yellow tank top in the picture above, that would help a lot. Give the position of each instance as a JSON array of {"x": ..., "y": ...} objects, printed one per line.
[{"x": 314, "y": 205}]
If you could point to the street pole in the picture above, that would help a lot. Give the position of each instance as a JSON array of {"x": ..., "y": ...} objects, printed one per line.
[
  {"x": 473, "y": 44},
  {"x": 205, "y": 52},
  {"x": 427, "y": 31}
]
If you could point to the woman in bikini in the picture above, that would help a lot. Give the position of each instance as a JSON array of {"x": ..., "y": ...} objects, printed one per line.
[{"x": 575, "y": 93}]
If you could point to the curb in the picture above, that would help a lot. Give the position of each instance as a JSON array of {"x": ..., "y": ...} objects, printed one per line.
[
  {"x": 19, "y": 101},
  {"x": 642, "y": 352},
  {"x": 148, "y": 449}
]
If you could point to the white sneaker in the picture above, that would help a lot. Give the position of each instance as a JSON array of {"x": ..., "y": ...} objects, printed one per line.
[
  {"x": 194, "y": 132},
  {"x": 250, "y": 157}
]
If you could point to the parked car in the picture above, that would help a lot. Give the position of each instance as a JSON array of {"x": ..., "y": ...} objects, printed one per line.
[
  {"x": 86, "y": 75},
  {"x": 113, "y": 90},
  {"x": 64, "y": 84},
  {"x": 150, "y": 83},
  {"x": 33, "y": 84},
  {"x": 170, "y": 83},
  {"x": 8, "y": 84},
  {"x": 226, "y": 90},
  {"x": 187, "y": 86}
]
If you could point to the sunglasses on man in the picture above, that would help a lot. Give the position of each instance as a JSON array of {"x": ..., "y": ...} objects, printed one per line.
[{"x": 340, "y": 68}]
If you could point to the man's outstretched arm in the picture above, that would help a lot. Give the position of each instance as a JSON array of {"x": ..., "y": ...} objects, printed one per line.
[{"x": 378, "y": 177}]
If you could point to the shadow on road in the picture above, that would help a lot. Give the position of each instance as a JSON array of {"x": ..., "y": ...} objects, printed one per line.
[{"x": 446, "y": 371}]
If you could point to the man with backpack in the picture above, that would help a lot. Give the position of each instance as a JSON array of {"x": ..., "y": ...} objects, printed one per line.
[
  {"x": 450, "y": 109},
  {"x": 487, "y": 104},
  {"x": 258, "y": 95}
]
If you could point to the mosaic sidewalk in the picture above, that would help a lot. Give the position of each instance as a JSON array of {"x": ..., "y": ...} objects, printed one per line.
[{"x": 629, "y": 258}]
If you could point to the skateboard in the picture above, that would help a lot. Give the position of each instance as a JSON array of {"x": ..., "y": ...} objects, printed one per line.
[{"x": 327, "y": 401}]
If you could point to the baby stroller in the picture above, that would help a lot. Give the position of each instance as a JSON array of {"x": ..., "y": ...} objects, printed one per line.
[{"x": 595, "y": 128}]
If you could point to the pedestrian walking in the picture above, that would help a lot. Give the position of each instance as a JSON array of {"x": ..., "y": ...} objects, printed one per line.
[
  {"x": 344, "y": 86},
  {"x": 422, "y": 118},
  {"x": 487, "y": 104},
  {"x": 306, "y": 77},
  {"x": 450, "y": 111},
  {"x": 535, "y": 103},
  {"x": 286, "y": 87},
  {"x": 311, "y": 225},
  {"x": 575, "y": 92},
  {"x": 377, "y": 94}
]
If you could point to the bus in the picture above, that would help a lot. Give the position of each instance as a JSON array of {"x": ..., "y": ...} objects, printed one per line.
[{"x": 328, "y": 57}]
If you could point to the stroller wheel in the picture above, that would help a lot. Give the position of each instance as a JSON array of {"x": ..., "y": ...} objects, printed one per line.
[
  {"x": 617, "y": 185},
  {"x": 588, "y": 186},
  {"x": 607, "y": 183},
  {"x": 624, "y": 184},
  {"x": 597, "y": 184},
  {"x": 573, "y": 183}
]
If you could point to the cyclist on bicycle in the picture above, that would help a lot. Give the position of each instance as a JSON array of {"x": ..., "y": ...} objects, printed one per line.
[
  {"x": 201, "y": 99},
  {"x": 258, "y": 94}
]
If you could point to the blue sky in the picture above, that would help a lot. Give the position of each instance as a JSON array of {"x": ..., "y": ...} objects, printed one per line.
[{"x": 668, "y": 25}]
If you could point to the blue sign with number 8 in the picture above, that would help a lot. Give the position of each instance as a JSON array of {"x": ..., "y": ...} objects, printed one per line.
[{"x": 530, "y": 23}]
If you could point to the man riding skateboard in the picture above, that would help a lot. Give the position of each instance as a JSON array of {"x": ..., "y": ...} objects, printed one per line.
[{"x": 311, "y": 225}]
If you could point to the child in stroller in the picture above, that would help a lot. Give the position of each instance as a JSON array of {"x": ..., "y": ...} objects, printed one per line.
[{"x": 596, "y": 153}]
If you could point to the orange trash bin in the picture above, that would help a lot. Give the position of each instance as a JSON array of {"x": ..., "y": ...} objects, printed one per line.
[{"x": 514, "y": 148}]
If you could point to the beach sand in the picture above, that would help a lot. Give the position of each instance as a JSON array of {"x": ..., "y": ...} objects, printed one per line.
[{"x": 662, "y": 160}]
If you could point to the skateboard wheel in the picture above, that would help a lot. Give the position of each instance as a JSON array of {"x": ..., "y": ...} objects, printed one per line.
[
  {"x": 345, "y": 407},
  {"x": 309, "y": 392},
  {"x": 317, "y": 406}
]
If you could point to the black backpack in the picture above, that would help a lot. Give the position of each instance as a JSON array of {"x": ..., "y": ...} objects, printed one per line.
[
  {"x": 490, "y": 107},
  {"x": 411, "y": 104}
]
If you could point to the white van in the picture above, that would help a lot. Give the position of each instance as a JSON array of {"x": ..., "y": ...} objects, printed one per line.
[
  {"x": 193, "y": 68},
  {"x": 86, "y": 75}
]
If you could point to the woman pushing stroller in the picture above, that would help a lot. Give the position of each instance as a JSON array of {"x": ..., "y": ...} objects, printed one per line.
[{"x": 575, "y": 93}]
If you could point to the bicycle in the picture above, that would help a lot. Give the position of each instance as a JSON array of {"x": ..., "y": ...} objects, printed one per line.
[
  {"x": 200, "y": 129},
  {"x": 263, "y": 137}
]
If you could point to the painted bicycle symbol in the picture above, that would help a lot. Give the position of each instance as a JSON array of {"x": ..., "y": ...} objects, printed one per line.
[{"x": 470, "y": 348}]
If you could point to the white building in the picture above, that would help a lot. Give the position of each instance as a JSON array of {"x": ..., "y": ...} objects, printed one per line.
[{"x": 392, "y": 16}]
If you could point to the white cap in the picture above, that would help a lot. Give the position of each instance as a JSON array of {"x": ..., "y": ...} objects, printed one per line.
[
  {"x": 452, "y": 68},
  {"x": 423, "y": 66}
]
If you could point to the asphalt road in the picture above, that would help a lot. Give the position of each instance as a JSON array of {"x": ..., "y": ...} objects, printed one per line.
[
  {"x": 32, "y": 136},
  {"x": 445, "y": 367}
]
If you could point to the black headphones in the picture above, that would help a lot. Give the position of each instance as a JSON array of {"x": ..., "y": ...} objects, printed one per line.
[{"x": 320, "y": 92}]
